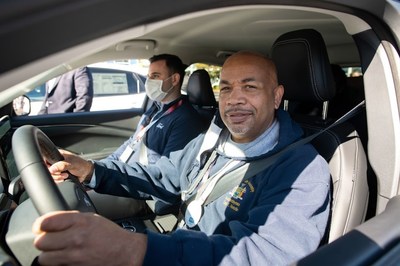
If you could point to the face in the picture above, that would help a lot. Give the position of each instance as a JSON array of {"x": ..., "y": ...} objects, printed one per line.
[
  {"x": 159, "y": 70},
  {"x": 249, "y": 96}
]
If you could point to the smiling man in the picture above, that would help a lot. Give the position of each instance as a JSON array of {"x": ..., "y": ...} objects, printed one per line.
[
  {"x": 248, "y": 105},
  {"x": 273, "y": 218}
]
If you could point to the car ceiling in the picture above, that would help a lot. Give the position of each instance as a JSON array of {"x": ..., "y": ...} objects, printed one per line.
[
  {"x": 51, "y": 26},
  {"x": 215, "y": 34}
]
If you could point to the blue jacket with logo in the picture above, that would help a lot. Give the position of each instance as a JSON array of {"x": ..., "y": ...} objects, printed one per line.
[
  {"x": 170, "y": 133},
  {"x": 274, "y": 218}
]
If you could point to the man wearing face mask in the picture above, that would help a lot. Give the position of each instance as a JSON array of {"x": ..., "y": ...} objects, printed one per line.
[{"x": 169, "y": 124}]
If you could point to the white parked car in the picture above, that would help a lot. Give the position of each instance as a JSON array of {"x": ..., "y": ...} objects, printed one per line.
[{"x": 115, "y": 87}]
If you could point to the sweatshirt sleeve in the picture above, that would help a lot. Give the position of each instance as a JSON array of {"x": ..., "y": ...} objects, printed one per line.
[
  {"x": 137, "y": 181},
  {"x": 161, "y": 180},
  {"x": 287, "y": 223}
]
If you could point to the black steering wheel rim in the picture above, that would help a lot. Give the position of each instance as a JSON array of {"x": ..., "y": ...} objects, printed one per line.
[{"x": 29, "y": 146}]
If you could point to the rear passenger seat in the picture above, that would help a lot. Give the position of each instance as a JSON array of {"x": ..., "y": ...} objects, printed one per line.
[
  {"x": 349, "y": 92},
  {"x": 357, "y": 85}
]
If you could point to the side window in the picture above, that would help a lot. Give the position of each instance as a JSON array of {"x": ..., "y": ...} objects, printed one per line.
[
  {"x": 115, "y": 86},
  {"x": 214, "y": 72},
  {"x": 352, "y": 71},
  {"x": 117, "y": 89},
  {"x": 110, "y": 83},
  {"x": 38, "y": 93},
  {"x": 36, "y": 96}
]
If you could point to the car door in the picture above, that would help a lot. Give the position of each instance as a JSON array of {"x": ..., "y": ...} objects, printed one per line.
[
  {"x": 118, "y": 102},
  {"x": 93, "y": 135}
]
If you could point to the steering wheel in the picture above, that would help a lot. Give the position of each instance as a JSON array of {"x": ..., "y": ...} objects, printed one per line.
[{"x": 30, "y": 147}]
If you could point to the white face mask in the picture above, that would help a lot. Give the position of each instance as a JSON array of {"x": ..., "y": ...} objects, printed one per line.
[{"x": 154, "y": 89}]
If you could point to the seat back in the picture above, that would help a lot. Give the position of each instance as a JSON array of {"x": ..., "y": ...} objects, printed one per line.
[
  {"x": 201, "y": 94},
  {"x": 305, "y": 72}
]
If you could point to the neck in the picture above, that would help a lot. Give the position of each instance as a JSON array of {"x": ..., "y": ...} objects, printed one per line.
[{"x": 172, "y": 96}]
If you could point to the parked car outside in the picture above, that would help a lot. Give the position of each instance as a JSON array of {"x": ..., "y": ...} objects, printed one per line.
[{"x": 115, "y": 87}]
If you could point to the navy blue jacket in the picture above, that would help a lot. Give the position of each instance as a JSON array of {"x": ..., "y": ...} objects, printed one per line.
[{"x": 170, "y": 133}]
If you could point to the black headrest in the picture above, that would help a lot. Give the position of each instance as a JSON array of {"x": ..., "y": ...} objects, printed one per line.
[
  {"x": 199, "y": 89},
  {"x": 303, "y": 66}
]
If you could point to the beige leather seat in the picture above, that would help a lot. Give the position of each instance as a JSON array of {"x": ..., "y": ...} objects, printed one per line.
[{"x": 304, "y": 70}]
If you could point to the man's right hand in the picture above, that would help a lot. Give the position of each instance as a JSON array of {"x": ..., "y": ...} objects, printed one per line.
[
  {"x": 74, "y": 164},
  {"x": 73, "y": 238}
]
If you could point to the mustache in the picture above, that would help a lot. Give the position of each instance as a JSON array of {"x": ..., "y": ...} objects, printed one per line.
[{"x": 230, "y": 110}]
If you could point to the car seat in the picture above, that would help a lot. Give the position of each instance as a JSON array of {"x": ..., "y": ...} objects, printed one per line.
[
  {"x": 201, "y": 95},
  {"x": 305, "y": 72}
]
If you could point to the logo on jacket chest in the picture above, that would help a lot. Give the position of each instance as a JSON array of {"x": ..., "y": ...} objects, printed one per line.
[
  {"x": 234, "y": 198},
  {"x": 160, "y": 125}
]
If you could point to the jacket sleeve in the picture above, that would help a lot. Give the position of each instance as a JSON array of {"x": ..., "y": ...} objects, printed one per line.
[
  {"x": 161, "y": 180},
  {"x": 286, "y": 223},
  {"x": 83, "y": 84}
]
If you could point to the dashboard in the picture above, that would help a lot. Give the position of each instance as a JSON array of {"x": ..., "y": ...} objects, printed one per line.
[{"x": 8, "y": 168}]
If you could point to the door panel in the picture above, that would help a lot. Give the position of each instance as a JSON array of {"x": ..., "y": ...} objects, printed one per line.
[{"x": 91, "y": 134}]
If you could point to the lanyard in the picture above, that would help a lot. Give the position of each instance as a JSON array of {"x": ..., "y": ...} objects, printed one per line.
[
  {"x": 143, "y": 130},
  {"x": 201, "y": 176},
  {"x": 205, "y": 184},
  {"x": 208, "y": 184},
  {"x": 194, "y": 207},
  {"x": 130, "y": 149}
]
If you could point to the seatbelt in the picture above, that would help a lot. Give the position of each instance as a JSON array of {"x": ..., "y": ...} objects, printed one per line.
[{"x": 250, "y": 169}]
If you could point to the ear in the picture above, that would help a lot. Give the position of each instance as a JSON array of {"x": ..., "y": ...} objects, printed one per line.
[
  {"x": 175, "y": 79},
  {"x": 278, "y": 94}
]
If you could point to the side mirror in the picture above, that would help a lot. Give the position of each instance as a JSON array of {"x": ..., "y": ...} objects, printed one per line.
[{"x": 22, "y": 105}]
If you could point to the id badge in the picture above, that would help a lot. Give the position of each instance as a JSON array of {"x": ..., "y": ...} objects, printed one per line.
[
  {"x": 193, "y": 213},
  {"x": 126, "y": 154}
]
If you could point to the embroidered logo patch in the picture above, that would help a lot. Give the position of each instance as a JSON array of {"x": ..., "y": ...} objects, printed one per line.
[
  {"x": 160, "y": 125},
  {"x": 237, "y": 194}
]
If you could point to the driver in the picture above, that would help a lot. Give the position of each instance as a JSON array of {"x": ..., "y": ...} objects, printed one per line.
[
  {"x": 273, "y": 218},
  {"x": 168, "y": 125}
]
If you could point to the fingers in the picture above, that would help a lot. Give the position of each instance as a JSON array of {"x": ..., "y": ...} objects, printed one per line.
[
  {"x": 73, "y": 238},
  {"x": 54, "y": 221},
  {"x": 58, "y": 233},
  {"x": 58, "y": 170},
  {"x": 51, "y": 229},
  {"x": 65, "y": 152},
  {"x": 72, "y": 164}
]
